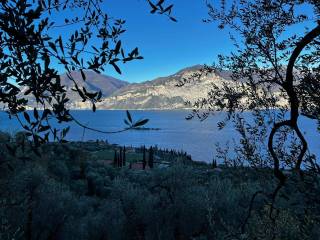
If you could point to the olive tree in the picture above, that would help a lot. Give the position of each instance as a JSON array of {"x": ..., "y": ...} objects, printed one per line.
[
  {"x": 31, "y": 49},
  {"x": 273, "y": 70},
  {"x": 274, "y": 75}
]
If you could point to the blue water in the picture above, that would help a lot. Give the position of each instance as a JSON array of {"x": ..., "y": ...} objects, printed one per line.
[{"x": 195, "y": 137}]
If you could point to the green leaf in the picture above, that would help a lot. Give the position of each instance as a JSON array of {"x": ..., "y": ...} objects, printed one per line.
[
  {"x": 53, "y": 46},
  {"x": 152, "y": 5},
  {"x": 26, "y": 116},
  {"x": 65, "y": 131},
  {"x": 135, "y": 52},
  {"x": 129, "y": 116},
  {"x": 83, "y": 75},
  {"x": 99, "y": 95},
  {"x": 61, "y": 44},
  {"x": 75, "y": 59},
  {"x": 173, "y": 19},
  {"x": 117, "y": 49},
  {"x": 168, "y": 8},
  {"x": 81, "y": 95},
  {"x": 126, "y": 122},
  {"x": 35, "y": 113},
  {"x": 73, "y": 47},
  {"x": 141, "y": 123},
  {"x": 94, "y": 48},
  {"x": 160, "y": 2},
  {"x": 45, "y": 113},
  {"x": 116, "y": 67},
  {"x": 44, "y": 128}
]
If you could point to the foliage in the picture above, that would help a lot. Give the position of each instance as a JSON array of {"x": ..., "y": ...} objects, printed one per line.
[
  {"x": 50, "y": 199},
  {"x": 275, "y": 77},
  {"x": 272, "y": 72},
  {"x": 4, "y": 137},
  {"x": 31, "y": 50}
]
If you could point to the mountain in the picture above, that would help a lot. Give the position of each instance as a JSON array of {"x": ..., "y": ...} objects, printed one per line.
[
  {"x": 162, "y": 93},
  {"x": 94, "y": 82}
]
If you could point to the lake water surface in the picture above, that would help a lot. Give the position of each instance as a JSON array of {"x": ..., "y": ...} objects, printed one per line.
[{"x": 195, "y": 137}]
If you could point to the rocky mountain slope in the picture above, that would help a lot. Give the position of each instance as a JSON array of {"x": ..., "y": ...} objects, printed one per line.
[{"x": 161, "y": 93}]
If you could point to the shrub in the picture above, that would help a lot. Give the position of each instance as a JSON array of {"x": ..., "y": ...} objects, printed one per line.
[
  {"x": 59, "y": 169},
  {"x": 4, "y": 137},
  {"x": 20, "y": 137}
]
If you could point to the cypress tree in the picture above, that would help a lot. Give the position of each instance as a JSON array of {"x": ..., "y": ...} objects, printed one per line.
[
  {"x": 124, "y": 156},
  {"x": 115, "y": 159},
  {"x": 214, "y": 163},
  {"x": 121, "y": 158},
  {"x": 151, "y": 159},
  {"x": 144, "y": 160}
]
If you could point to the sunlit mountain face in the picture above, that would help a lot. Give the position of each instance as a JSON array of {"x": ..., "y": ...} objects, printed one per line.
[{"x": 160, "y": 93}]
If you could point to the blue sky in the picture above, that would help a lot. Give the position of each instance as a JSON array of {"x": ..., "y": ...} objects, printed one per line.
[{"x": 166, "y": 46}]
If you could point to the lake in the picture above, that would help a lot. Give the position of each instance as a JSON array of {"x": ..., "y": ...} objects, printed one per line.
[{"x": 196, "y": 138}]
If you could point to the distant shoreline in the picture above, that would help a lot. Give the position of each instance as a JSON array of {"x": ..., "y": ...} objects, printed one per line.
[{"x": 123, "y": 109}]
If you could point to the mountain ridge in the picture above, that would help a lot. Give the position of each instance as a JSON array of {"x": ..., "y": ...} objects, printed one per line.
[{"x": 160, "y": 93}]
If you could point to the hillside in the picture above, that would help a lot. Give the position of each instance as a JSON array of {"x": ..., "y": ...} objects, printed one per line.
[{"x": 161, "y": 93}]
